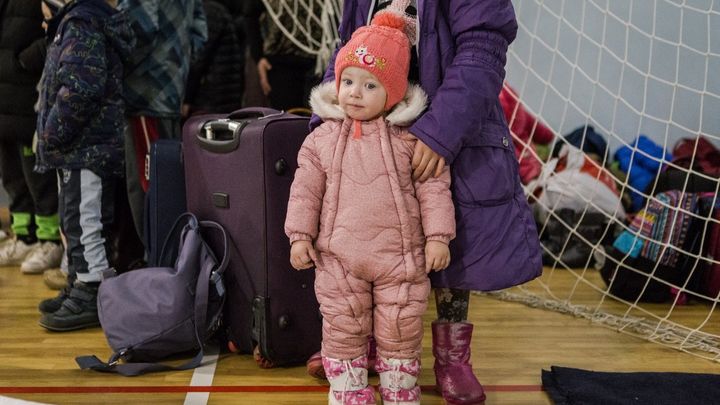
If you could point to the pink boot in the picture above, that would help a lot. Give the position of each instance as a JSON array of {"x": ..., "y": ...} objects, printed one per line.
[
  {"x": 315, "y": 368},
  {"x": 348, "y": 381},
  {"x": 453, "y": 372},
  {"x": 398, "y": 380}
]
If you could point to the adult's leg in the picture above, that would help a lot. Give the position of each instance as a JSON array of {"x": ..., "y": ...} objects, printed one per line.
[{"x": 452, "y": 335}]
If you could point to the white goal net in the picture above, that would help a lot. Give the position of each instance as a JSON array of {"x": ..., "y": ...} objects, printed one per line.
[
  {"x": 626, "y": 213},
  {"x": 310, "y": 24},
  {"x": 614, "y": 107}
]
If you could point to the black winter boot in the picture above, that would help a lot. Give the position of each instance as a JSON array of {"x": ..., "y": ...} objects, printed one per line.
[{"x": 78, "y": 311}]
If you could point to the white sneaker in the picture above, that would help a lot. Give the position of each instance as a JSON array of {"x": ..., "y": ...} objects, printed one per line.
[
  {"x": 64, "y": 264},
  {"x": 14, "y": 251},
  {"x": 44, "y": 255}
]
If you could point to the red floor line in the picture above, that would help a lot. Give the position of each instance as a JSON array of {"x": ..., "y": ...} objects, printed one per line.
[{"x": 220, "y": 388}]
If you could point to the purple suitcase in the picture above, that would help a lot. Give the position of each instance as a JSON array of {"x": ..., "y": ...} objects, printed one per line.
[{"x": 238, "y": 172}]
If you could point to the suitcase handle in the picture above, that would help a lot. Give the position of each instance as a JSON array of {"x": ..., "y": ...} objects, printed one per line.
[
  {"x": 207, "y": 136},
  {"x": 254, "y": 112}
]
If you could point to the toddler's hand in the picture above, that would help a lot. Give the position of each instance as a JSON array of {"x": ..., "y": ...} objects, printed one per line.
[
  {"x": 437, "y": 256},
  {"x": 302, "y": 255}
]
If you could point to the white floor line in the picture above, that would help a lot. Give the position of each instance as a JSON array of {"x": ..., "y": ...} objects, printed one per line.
[
  {"x": 203, "y": 376},
  {"x": 13, "y": 401}
]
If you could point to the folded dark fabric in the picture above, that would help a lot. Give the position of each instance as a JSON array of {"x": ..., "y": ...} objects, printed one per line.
[{"x": 570, "y": 386}]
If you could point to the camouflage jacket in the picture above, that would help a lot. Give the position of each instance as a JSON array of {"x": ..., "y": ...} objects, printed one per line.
[{"x": 81, "y": 107}]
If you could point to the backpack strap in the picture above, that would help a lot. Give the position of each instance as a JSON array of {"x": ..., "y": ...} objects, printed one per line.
[
  {"x": 207, "y": 274},
  {"x": 135, "y": 369}
]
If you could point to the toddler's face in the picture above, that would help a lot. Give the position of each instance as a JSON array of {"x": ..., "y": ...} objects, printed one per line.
[{"x": 361, "y": 95}]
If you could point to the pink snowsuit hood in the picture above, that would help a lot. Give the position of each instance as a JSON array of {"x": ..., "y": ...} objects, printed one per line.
[{"x": 324, "y": 103}]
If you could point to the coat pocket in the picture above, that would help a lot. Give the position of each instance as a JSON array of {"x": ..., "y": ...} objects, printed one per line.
[{"x": 484, "y": 172}]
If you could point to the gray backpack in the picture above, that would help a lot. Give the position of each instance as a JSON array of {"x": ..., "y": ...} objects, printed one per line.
[{"x": 152, "y": 313}]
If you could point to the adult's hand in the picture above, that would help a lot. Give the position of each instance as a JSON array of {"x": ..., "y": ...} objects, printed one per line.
[
  {"x": 263, "y": 66},
  {"x": 426, "y": 162}
]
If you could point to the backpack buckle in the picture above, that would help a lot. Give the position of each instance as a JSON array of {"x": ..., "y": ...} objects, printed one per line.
[
  {"x": 216, "y": 278},
  {"x": 116, "y": 357}
]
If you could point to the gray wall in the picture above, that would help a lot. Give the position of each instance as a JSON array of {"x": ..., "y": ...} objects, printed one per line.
[{"x": 627, "y": 67}]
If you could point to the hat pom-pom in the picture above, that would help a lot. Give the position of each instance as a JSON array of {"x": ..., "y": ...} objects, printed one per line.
[{"x": 388, "y": 19}]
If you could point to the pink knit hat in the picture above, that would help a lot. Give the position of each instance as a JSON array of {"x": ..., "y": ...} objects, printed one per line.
[{"x": 383, "y": 49}]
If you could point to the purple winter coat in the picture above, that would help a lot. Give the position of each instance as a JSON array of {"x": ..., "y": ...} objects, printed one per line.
[{"x": 462, "y": 46}]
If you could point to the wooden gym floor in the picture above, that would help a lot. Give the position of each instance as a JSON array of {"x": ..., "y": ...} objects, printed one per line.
[{"x": 512, "y": 343}]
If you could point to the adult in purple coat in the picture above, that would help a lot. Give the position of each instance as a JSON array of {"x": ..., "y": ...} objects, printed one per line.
[{"x": 461, "y": 51}]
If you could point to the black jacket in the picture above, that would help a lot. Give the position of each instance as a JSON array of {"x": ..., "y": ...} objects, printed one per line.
[
  {"x": 217, "y": 77},
  {"x": 22, "y": 56}
]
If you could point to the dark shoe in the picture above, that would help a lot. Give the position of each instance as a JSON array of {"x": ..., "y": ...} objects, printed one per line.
[
  {"x": 453, "y": 372},
  {"x": 315, "y": 367},
  {"x": 261, "y": 361},
  {"x": 51, "y": 305},
  {"x": 78, "y": 311}
]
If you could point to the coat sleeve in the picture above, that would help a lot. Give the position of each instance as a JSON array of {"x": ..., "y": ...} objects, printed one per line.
[
  {"x": 481, "y": 31},
  {"x": 436, "y": 207},
  {"x": 32, "y": 58},
  {"x": 199, "y": 66},
  {"x": 253, "y": 10},
  {"x": 198, "y": 29},
  {"x": 315, "y": 120},
  {"x": 82, "y": 74},
  {"x": 307, "y": 192}
]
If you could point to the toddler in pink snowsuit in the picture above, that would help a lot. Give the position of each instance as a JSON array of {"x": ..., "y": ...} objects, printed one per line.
[{"x": 370, "y": 230}]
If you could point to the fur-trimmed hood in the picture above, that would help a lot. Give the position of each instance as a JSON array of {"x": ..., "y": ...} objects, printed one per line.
[{"x": 324, "y": 103}]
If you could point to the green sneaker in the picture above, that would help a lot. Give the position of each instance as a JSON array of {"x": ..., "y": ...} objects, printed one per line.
[{"x": 78, "y": 310}]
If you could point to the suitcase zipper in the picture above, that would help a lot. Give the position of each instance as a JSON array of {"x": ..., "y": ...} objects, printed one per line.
[{"x": 147, "y": 146}]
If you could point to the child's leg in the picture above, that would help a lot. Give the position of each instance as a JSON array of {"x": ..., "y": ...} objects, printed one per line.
[
  {"x": 87, "y": 202},
  {"x": 398, "y": 380},
  {"x": 50, "y": 305},
  {"x": 452, "y": 335},
  {"x": 348, "y": 381},
  {"x": 398, "y": 330},
  {"x": 13, "y": 251},
  {"x": 345, "y": 303},
  {"x": 452, "y": 304},
  {"x": 43, "y": 189},
  {"x": 89, "y": 211}
]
